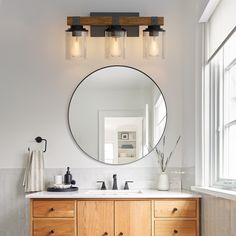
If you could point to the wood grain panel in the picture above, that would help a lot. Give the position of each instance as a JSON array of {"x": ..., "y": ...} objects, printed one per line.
[
  {"x": 58, "y": 227},
  {"x": 178, "y": 208},
  {"x": 107, "y": 20},
  {"x": 95, "y": 218},
  {"x": 55, "y": 208},
  {"x": 92, "y": 20},
  {"x": 133, "y": 218},
  {"x": 175, "y": 228},
  {"x": 139, "y": 20}
]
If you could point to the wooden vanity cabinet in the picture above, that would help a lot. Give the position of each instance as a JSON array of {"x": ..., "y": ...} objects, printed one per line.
[
  {"x": 133, "y": 218},
  {"x": 115, "y": 217},
  {"x": 95, "y": 218},
  {"x": 176, "y": 217},
  {"x": 53, "y": 217}
]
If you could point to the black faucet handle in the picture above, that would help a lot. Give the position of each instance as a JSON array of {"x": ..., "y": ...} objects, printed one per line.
[
  {"x": 103, "y": 187},
  {"x": 114, "y": 186},
  {"x": 127, "y": 184}
]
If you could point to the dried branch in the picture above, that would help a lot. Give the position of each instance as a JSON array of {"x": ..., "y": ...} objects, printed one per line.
[{"x": 161, "y": 155}]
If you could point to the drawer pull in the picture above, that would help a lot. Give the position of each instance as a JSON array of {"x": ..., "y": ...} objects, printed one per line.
[
  {"x": 52, "y": 209},
  {"x": 175, "y": 231},
  {"x": 174, "y": 210},
  {"x": 51, "y": 232},
  {"x": 105, "y": 233},
  {"x": 121, "y": 234}
]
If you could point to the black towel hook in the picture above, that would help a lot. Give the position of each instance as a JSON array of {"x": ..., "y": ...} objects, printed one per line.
[{"x": 39, "y": 140}]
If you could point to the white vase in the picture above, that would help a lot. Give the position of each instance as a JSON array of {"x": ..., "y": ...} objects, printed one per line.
[{"x": 163, "y": 182}]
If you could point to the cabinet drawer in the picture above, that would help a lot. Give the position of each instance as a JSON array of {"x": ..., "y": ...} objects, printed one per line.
[
  {"x": 175, "y": 228},
  {"x": 51, "y": 227},
  {"x": 53, "y": 208},
  {"x": 180, "y": 208}
]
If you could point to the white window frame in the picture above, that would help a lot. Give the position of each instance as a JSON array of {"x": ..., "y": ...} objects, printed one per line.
[
  {"x": 212, "y": 143},
  {"x": 226, "y": 123}
]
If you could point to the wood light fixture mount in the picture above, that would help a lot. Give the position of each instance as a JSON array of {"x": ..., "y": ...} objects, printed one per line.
[{"x": 115, "y": 27}]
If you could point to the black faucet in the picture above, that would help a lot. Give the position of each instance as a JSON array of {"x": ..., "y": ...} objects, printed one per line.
[
  {"x": 114, "y": 187},
  {"x": 126, "y": 187},
  {"x": 103, "y": 187}
]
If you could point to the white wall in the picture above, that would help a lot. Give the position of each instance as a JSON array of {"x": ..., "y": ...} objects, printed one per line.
[
  {"x": 36, "y": 81},
  {"x": 191, "y": 53}
]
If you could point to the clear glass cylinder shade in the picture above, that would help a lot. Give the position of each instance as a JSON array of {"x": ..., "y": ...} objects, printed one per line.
[
  {"x": 153, "y": 45},
  {"x": 76, "y": 45},
  {"x": 115, "y": 45}
]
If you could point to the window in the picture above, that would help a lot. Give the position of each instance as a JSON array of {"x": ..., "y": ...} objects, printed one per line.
[
  {"x": 109, "y": 153},
  {"x": 229, "y": 115},
  {"x": 159, "y": 118},
  {"x": 220, "y": 114}
]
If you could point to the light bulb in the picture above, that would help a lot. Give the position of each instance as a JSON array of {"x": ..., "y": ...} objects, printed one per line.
[
  {"x": 154, "y": 46},
  {"x": 76, "y": 48},
  {"x": 115, "y": 48}
]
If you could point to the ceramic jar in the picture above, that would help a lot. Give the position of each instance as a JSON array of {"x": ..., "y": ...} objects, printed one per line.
[{"x": 163, "y": 182}]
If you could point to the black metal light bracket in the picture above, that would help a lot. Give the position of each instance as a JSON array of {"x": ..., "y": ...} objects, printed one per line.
[{"x": 98, "y": 31}]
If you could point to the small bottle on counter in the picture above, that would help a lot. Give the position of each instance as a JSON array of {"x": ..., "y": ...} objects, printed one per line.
[{"x": 68, "y": 176}]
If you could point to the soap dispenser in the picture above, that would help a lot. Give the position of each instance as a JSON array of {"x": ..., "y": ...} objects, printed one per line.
[{"x": 68, "y": 176}]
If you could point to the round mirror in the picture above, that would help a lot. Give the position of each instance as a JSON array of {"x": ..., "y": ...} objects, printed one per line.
[{"x": 117, "y": 115}]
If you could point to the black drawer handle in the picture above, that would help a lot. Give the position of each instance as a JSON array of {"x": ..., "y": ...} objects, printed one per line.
[
  {"x": 51, "y": 232},
  {"x": 105, "y": 234},
  {"x": 175, "y": 231},
  {"x": 52, "y": 209},
  {"x": 174, "y": 210},
  {"x": 121, "y": 234}
]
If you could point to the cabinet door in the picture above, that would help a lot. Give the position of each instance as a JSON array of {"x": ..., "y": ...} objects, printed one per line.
[
  {"x": 95, "y": 218},
  {"x": 133, "y": 218}
]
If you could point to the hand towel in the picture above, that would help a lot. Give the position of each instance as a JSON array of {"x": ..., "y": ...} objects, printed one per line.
[{"x": 33, "y": 178}]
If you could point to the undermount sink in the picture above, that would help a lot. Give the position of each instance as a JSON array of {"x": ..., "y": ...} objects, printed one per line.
[{"x": 114, "y": 192}]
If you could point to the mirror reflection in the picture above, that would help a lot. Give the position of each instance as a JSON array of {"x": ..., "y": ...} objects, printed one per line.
[{"x": 117, "y": 115}]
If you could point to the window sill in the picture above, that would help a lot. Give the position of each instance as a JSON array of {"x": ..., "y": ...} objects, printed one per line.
[{"x": 216, "y": 192}]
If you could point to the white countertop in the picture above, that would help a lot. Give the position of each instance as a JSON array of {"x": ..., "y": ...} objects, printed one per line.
[{"x": 109, "y": 194}]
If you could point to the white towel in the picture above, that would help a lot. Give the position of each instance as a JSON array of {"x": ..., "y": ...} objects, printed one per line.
[{"x": 33, "y": 178}]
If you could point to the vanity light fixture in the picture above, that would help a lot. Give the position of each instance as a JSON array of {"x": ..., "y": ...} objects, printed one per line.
[
  {"x": 76, "y": 36},
  {"x": 115, "y": 41},
  {"x": 153, "y": 38},
  {"x": 115, "y": 27}
]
